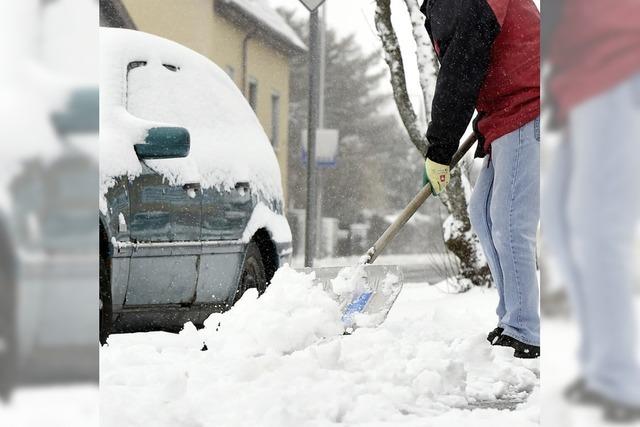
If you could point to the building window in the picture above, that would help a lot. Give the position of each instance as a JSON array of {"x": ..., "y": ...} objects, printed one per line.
[
  {"x": 231, "y": 72},
  {"x": 275, "y": 120},
  {"x": 253, "y": 94}
]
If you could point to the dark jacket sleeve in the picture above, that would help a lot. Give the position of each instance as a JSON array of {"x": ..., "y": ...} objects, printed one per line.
[{"x": 463, "y": 32}]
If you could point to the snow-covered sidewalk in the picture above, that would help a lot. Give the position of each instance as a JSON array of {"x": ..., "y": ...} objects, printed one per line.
[
  {"x": 281, "y": 361},
  {"x": 57, "y": 405}
]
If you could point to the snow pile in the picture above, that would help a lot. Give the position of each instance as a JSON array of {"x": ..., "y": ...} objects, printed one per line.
[
  {"x": 268, "y": 365},
  {"x": 292, "y": 314},
  {"x": 52, "y": 405},
  {"x": 455, "y": 285},
  {"x": 178, "y": 87}
]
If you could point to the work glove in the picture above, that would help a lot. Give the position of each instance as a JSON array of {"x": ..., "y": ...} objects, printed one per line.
[{"x": 437, "y": 175}]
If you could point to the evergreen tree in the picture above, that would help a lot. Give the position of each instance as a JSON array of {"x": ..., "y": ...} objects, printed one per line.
[{"x": 377, "y": 168}]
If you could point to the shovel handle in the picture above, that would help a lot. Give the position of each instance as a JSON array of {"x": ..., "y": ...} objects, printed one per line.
[{"x": 391, "y": 231}]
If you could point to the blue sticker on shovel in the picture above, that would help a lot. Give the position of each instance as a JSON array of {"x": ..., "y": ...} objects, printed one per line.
[{"x": 356, "y": 306}]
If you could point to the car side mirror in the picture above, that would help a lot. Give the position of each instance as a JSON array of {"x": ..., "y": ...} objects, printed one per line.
[{"x": 164, "y": 143}]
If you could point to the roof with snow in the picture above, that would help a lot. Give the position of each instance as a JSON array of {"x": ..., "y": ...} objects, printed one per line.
[{"x": 258, "y": 13}]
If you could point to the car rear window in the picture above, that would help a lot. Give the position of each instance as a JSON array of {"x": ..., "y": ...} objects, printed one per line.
[{"x": 164, "y": 92}]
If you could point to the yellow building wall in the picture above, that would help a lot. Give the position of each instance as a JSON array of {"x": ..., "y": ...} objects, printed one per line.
[{"x": 194, "y": 23}]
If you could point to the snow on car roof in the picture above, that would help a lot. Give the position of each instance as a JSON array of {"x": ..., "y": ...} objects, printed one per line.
[
  {"x": 262, "y": 12},
  {"x": 228, "y": 144}
]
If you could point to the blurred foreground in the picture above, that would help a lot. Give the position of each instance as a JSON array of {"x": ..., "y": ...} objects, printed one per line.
[
  {"x": 48, "y": 204},
  {"x": 591, "y": 211}
]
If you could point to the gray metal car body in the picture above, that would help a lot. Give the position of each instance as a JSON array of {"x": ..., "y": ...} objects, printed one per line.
[{"x": 176, "y": 252}]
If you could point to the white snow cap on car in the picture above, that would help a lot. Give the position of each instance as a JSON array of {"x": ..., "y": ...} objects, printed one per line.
[{"x": 178, "y": 87}]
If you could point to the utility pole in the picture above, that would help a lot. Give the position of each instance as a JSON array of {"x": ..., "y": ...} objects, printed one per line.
[
  {"x": 314, "y": 94},
  {"x": 321, "y": 121},
  {"x": 323, "y": 63}
]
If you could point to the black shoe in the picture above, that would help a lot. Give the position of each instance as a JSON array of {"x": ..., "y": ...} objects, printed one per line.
[
  {"x": 494, "y": 335},
  {"x": 522, "y": 350}
]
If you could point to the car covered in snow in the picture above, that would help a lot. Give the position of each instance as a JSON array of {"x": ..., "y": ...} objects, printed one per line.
[{"x": 191, "y": 199}]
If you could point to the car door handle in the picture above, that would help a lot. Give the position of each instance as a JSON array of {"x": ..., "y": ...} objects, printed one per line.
[
  {"x": 242, "y": 188},
  {"x": 195, "y": 186},
  {"x": 242, "y": 185}
]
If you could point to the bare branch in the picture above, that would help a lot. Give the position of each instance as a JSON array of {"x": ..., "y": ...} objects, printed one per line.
[
  {"x": 393, "y": 57},
  {"x": 426, "y": 57}
]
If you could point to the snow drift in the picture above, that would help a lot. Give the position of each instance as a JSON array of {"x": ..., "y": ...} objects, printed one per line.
[
  {"x": 293, "y": 314},
  {"x": 281, "y": 360}
]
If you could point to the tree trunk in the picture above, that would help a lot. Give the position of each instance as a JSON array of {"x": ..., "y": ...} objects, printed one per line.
[
  {"x": 458, "y": 236},
  {"x": 425, "y": 55}
]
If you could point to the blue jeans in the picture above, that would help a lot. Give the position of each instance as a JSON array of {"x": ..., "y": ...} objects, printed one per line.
[
  {"x": 588, "y": 228},
  {"x": 504, "y": 212}
]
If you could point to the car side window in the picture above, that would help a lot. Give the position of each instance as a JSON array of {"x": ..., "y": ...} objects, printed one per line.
[{"x": 131, "y": 66}]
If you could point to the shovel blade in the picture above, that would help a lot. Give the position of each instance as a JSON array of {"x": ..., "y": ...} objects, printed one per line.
[{"x": 368, "y": 302}]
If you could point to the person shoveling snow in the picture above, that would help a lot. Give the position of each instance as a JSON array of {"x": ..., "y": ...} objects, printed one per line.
[
  {"x": 489, "y": 61},
  {"x": 504, "y": 208}
]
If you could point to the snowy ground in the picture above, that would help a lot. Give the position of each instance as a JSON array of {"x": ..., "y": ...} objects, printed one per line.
[
  {"x": 52, "y": 406},
  {"x": 281, "y": 361},
  {"x": 560, "y": 339}
]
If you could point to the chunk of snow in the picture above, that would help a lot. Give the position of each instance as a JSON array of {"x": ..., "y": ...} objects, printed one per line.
[
  {"x": 263, "y": 217},
  {"x": 292, "y": 314},
  {"x": 349, "y": 280}
]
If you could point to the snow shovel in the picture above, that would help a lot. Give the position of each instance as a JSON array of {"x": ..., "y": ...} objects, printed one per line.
[{"x": 367, "y": 292}]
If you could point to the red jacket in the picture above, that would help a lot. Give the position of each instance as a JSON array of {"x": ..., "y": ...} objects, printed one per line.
[{"x": 489, "y": 52}]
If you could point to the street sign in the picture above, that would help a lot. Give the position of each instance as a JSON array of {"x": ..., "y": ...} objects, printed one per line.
[
  {"x": 326, "y": 148},
  {"x": 312, "y": 4}
]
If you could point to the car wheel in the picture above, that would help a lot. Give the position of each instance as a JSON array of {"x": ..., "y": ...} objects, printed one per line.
[
  {"x": 253, "y": 272},
  {"x": 106, "y": 311}
]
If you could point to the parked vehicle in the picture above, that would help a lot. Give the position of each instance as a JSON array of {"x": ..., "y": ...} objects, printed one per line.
[{"x": 191, "y": 209}]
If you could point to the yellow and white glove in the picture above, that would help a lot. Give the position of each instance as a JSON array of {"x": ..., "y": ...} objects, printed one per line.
[{"x": 437, "y": 175}]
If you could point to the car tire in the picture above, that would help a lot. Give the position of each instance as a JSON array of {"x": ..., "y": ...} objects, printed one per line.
[
  {"x": 105, "y": 307},
  {"x": 253, "y": 273}
]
